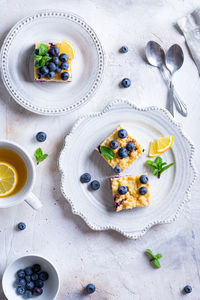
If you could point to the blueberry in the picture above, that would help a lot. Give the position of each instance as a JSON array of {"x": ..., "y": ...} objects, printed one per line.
[
  {"x": 39, "y": 283},
  {"x": 28, "y": 271},
  {"x": 21, "y": 273},
  {"x": 86, "y": 177},
  {"x": 40, "y": 75},
  {"x": 142, "y": 190},
  {"x": 28, "y": 294},
  {"x": 51, "y": 75},
  {"x": 37, "y": 51},
  {"x": 90, "y": 288},
  {"x": 117, "y": 169},
  {"x": 64, "y": 66},
  {"x": 124, "y": 49},
  {"x": 122, "y": 133},
  {"x": 95, "y": 185},
  {"x": 43, "y": 276},
  {"x": 34, "y": 276},
  {"x": 114, "y": 144},
  {"x": 54, "y": 51},
  {"x": 130, "y": 146},
  {"x": 122, "y": 190},
  {"x": 44, "y": 70},
  {"x": 20, "y": 282},
  {"x": 52, "y": 66},
  {"x": 47, "y": 64},
  {"x": 21, "y": 226},
  {"x": 65, "y": 76},
  {"x": 37, "y": 291},
  {"x": 55, "y": 60},
  {"x": 30, "y": 285},
  {"x": 188, "y": 289},
  {"x": 20, "y": 290},
  {"x": 126, "y": 82},
  {"x": 63, "y": 57},
  {"x": 36, "y": 268},
  {"x": 144, "y": 179},
  {"x": 41, "y": 136},
  {"x": 122, "y": 152},
  {"x": 58, "y": 70},
  {"x": 28, "y": 278}
]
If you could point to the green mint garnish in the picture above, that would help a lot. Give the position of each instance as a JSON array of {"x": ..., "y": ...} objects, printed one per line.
[
  {"x": 39, "y": 155},
  {"x": 154, "y": 259},
  {"x": 158, "y": 165},
  {"x": 43, "y": 49},
  {"x": 41, "y": 60},
  {"x": 107, "y": 152}
]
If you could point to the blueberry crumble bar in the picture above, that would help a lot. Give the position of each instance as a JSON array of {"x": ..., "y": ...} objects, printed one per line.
[
  {"x": 120, "y": 149},
  {"x": 130, "y": 191}
]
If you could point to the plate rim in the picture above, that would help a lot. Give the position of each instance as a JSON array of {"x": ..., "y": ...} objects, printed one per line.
[
  {"x": 112, "y": 105},
  {"x": 4, "y": 62}
]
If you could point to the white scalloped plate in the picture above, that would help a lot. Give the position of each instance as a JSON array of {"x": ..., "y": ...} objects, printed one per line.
[
  {"x": 169, "y": 193},
  {"x": 17, "y": 62}
]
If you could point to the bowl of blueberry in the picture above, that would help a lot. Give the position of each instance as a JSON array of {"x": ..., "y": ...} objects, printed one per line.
[{"x": 30, "y": 277}]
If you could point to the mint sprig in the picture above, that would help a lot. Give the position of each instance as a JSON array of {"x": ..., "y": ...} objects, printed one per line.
[
  {"x": 43, "y": 49},
  {"x": 107, "y": 152},
  {"x": 41, "y": 59},
  {"x": 39, "y": 156},
  {"x": 158, "y": 165},
  {"x": 154, "y": 259}
]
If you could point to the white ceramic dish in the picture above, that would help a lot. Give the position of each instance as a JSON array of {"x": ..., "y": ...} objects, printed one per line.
[
  {"x": 51, "y": 286},
  {"x": 17, "y": 62},
  {"x": 169, "y": 193}
]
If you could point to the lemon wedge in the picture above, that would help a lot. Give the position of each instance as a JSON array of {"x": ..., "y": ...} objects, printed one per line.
[
  {"x": 160, "y": 146},
  {"x": 8, "y": 179},
  {"x": 153, "y": 151},
  {"x": 66, "y": 47}
]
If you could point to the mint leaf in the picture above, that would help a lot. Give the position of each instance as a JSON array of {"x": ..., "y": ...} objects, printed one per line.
[
  {"x": 149, "y": 252},
  {"x": 159, "y": 255},
  {"x": 156, "y": 263},
  {"x": 155, "y": 165},
  {"x": 166, "y": 167},
  {"x": 39, "y": 156},
  {"x": 158, "y": 164},
  {"x": 43, "y": 49},
  {"x": 107, "y": 152},
  {"x": 158, "y": 160},
  {"x": 155, "y": 172},
  {"x": 37, "y": 57},
  {"x": 149, "y": 162}
]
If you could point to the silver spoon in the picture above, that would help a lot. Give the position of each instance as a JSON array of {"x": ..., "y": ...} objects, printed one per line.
[
  {"x": 156, "y": 57},
  {"x": 174, "y": 61}
]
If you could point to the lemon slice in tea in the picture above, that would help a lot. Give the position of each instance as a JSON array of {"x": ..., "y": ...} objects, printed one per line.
[{"x": 8, "y": 179}]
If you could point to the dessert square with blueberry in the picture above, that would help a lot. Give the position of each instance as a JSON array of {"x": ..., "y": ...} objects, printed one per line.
[
  {"x": 53, "y": 62},
  {"x": 130, "y": 191},
  {"x": 120, "y": 149}
]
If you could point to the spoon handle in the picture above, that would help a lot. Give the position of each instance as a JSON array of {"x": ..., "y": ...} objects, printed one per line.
[{"x": 170, "y": 102}]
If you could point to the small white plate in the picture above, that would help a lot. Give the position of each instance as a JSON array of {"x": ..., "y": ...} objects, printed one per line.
[
  {"x": 168, "y": 194},
  {"x": 17, "y": 62},
  {"x": 51, "y": 286}
]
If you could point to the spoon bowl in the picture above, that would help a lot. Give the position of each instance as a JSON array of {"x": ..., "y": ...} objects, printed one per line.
[
  {"x": 155, "y": 54},
  {"x": 174, "y": 58}
]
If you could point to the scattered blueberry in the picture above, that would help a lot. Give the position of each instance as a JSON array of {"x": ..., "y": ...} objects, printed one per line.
[
  {"x": 43, "y": 276},
  {"x": 44, "y": 70},
  {"x": 126, "y": 82},
  {"x": 20, "y": 282},
  {"x": 65, "y": 76},
  {"x": 114, "y": 144},
  {"x": 58, "y": 70},
  {"x": 130, "y": 146},
  {"x": 55, "y": 60},
  {"x": 28, "y": 278},
  {"x": 64, "y": 66},
  {"x": 90, "y": 288},
  {"x": 144, "y": 179},
  {"x": 21, "y": 273},
  {"x": 95, "y": 185},
  {"x": 122, "y": 152},
  {"x": 37, "y": 291},
  {"x": 37, "y": 51},
  {"x": 142, "y": 190},
  {"x": 122, "y": 133},
  {"x": 117, "y": 169},
  {"x": 188, "y": 289},
  {"x": 52, "y": 66},
  {"x": 21, "y": 226},
  {"x": 28, "y": 271},
  {"x": 41, "y": 136},
  {"x": 28, "y": 294},
  {"x": 36, "y": 268},
  {"x": 63, "y": 57},
  {"x": 86, "y": 177},
  {"x": 124, "y": 49},
  {"x": 51, "y": 75},
  {"x": 20, "y": 290},
  {"x": 39, "y": 283},
  {"x": 34, "y": 276},
  {"x": 30, "y": 285},
  {"x": 122, "y": 190},
  {"x": 54, "y": 51}
]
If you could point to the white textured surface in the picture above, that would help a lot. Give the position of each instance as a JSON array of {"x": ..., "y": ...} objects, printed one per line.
[{"x": 115, "y": 264}]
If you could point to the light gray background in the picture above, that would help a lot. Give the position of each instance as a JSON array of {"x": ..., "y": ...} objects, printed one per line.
[{"x": 116, "y": 265}]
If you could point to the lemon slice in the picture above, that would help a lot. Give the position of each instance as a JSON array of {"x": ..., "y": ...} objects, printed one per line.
[
  {"x": 153, "y": 151},
  {"x": 8, "y": 179},
  {"x": 164, "y": 143},
  {"x": 66, "y": 47}
]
